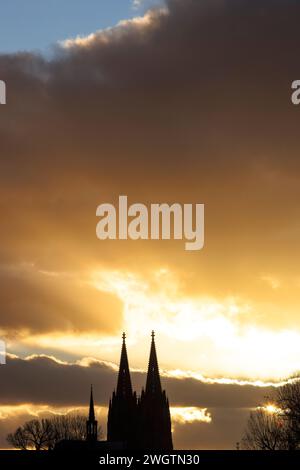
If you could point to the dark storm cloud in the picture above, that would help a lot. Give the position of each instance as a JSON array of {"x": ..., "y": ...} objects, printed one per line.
[
  {"x": 223, "y": 432},
  {"x": 169, "y": 84},
  {"x": 42, "y": 380}
]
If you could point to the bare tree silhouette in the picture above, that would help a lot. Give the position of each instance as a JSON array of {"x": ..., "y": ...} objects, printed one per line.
[
  {"x": 288, "y": 399},
  {"x": 277, "y": 428},
  {"x": 18, "y": 439},
  {"x": 35, "y": 434},
  {"x": 264, "y": 431},
  {"x": 43, "y": 434}
]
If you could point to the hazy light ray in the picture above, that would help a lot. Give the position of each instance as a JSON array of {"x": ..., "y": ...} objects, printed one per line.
[
  {"x": 199, "y": 336},
  {"x": 235, "y": 348}
]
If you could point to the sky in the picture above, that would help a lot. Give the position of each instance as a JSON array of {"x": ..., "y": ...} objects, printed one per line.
[
  {"x": 38, "y": 24},
  {"x": 188, "y": 103}
]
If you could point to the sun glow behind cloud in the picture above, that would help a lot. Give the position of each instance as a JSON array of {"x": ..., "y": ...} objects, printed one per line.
[
  {"x": 270, "y": 408},
  {"x": 189, "y": 414},
  {"x": 215, "y": 336},
  {"x": 39, "y": 411},
  {"x": 197, "y": 335}
]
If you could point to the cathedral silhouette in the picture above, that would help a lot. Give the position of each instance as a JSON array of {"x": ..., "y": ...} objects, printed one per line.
[
  {"x": 134, "y": 423},
  {"x": 144, "y": 422}
]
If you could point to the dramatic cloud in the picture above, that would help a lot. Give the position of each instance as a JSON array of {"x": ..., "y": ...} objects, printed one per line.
[
  {"x": 45, "y": 384},
  {"x": 186, "y": 104},
  {"x": 190, "y": 103},
  {"x": 224, "y": 431},
  {"x": 37, "y": 301},
  {"x": 43, "y": 380}
]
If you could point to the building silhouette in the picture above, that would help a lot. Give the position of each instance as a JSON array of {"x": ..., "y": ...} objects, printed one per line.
[
  {"x": 91, "y": 442},
  {"x": 154, "y": 412},
  {"x": 143, "y": 423},
  {"x": 135, "y": 423},
  {"x": 122, "y": 411},
  {"x": 91, "y": 424}
]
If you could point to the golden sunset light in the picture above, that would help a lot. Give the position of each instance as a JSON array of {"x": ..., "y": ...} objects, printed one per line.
[
  {"x": 272, "y": 408},
  {"x": 149, "y": 244}
]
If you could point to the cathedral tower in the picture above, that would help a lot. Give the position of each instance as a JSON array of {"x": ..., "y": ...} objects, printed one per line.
[
  {"x": 154, "y": 414},
  {"x": 122, "y": 413}
]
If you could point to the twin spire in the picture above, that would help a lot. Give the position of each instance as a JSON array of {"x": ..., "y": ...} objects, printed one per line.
[
  {"x": 153, "y": 385},
  {"x": 124, "y": 387},
  {"x": 142, "y": 422}
]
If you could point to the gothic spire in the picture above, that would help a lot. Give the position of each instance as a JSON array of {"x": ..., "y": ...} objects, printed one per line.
[
  {"x": 92, "y": 411},
  {"x": 91, "y": 424},
  {"x": 153, "y": 384},
  {"x": 124, "y": 387}
]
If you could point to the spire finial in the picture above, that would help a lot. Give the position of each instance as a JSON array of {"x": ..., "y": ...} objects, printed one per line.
[
  {"x": 153, "y": 384},
  {"x": 124, "y": 382}
]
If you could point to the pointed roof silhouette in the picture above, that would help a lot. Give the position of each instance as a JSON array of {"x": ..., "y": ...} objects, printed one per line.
[
  {"x": 92, "y": 411},
  {"x": 124, "y": 387},
  {"x": 153, "y": 384}
]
